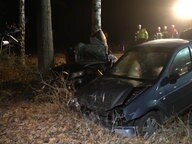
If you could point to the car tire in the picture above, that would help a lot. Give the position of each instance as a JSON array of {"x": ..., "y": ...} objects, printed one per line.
[{"x": 148, "y": 124}]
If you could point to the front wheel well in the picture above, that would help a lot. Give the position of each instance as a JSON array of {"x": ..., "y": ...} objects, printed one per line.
[
  {"x": 149, "y": 123},
  {"x": 161, "y": 114}
]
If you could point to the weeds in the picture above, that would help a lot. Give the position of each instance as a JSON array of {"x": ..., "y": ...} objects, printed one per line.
[
  {"x": 49, "y": 119},
  {"x": 54, "y": 90},
  {"x": 177, "y": 130}
]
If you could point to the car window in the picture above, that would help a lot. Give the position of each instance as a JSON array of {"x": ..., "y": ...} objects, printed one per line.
[
  {"x": 141, "y": 64},
  {"x": 182, "y": 62}
]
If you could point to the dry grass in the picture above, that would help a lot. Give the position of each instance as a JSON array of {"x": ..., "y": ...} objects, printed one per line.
[{"x": 47, "y": 118}]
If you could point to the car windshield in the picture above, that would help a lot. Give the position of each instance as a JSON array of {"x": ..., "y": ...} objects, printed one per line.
[{"x": 141, "y": 64}]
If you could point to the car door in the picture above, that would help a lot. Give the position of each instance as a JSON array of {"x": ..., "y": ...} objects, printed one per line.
[{"x": 178, "y": 95}]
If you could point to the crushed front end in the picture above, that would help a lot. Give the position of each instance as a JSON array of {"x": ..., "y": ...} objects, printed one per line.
[
  {"x": 106, "y": 100},
  {"x": 113, "y": 119}
]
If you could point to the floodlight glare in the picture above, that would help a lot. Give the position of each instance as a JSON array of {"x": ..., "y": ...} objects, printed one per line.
[{"x": 182, "y": 9}]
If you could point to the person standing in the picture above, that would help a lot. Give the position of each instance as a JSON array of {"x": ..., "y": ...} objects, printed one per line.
[
  {"x": 174, "y": 33},
  {"x": 159, "y": 34},
  {"x": 165, "y": 33},
  {"x": 141, "y": 35}
]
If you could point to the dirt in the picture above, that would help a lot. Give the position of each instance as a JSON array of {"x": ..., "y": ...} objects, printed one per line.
[
  {"x": 28, "y": 114},
  {"x": 31, "y": 114}
]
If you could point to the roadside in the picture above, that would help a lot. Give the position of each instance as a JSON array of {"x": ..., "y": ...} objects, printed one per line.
[
  {"x": 28, "y": 115},
  {"x": 32, "y": 112}
]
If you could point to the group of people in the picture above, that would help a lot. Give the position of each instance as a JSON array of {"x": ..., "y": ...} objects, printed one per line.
[
  {"x": 165, "y": 33},
  {"x": 142, "y": 34}
]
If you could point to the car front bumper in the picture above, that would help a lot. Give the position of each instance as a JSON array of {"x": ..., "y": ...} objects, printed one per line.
[{"x": 126, "y": 131}]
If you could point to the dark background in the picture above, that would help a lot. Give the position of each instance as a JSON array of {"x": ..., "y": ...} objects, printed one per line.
[{"x": 72, "y": 19}]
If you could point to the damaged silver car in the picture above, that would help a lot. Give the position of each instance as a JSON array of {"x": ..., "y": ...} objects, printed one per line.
[{"x": 148, "y": 84}]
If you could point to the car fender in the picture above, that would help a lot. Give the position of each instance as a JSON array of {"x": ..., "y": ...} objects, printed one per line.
[{"x": 153, "y": 105}]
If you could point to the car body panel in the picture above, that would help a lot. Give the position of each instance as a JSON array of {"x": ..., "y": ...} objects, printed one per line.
[
  {"x": 85, "y": 62},
  {"x": 81, "y": 73},
  {"x": 134, "y": 94},
  {"x": 103, "y": 98}
]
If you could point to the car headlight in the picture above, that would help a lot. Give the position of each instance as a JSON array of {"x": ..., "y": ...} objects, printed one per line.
[{"x": 77, "y": 74}]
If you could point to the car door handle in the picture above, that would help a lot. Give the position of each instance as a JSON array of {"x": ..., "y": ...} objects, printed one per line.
[{"x": 175, "y": 87}]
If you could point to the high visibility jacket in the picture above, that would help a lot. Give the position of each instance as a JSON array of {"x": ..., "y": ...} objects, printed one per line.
[{"x": 142, "y": 34}]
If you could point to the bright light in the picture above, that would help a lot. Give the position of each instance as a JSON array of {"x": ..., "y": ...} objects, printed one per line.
[{"x": 182, "y": 9}]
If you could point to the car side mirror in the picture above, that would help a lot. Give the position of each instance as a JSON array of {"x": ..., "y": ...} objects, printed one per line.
[
  {"x": 164, "y": 81},
  {"x": 173, "y": 78}
]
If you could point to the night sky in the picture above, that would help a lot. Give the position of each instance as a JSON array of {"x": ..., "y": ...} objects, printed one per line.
[{"x": 72, "y": 19}]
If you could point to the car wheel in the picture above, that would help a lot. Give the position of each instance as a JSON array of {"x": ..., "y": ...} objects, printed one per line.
[{"x": 148, "y": 124}]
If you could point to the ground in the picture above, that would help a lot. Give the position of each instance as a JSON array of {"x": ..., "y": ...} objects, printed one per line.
[
  {"x": 32, "y": 111},
  {"x": 29, "y": 115}
]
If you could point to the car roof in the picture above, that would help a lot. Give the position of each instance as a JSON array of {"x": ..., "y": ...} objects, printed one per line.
[{"x": 163, "y": 44}]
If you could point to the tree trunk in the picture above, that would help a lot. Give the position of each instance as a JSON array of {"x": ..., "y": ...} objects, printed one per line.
[
  {"x": 96, "y": 15},
  {"x": 98, "y": 35},
  {"x": 22, "y": 32},
  {"x": 45, "y": 37},
  {"x": 96, "y": 23}
]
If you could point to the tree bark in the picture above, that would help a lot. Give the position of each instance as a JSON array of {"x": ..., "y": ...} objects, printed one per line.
[
  {"x": 22, "y": 32},
  {"x": 97, "y": 32},
  {"x": 96, "y": 15},
  {"x": 45, "y": 37}
]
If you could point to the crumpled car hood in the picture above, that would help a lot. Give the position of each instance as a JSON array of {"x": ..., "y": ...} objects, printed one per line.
[
  {"x": 75, "y": 67},
  {"x": 105, "y": 93}
]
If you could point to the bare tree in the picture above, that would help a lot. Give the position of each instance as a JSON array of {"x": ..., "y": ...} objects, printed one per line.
[
  {"x": 45, "y": 37},
  {"x": 96, "y": 22},
  {"x": 97, "y": 34},
  {"x": 96, "y": 15},
  {"x": 22, "y": 31}
]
